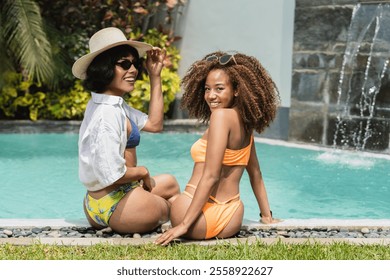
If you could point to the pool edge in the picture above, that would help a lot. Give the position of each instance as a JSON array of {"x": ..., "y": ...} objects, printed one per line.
[
  {"x": 284, "y": 225},
  {"x": 288, "y": 223}
]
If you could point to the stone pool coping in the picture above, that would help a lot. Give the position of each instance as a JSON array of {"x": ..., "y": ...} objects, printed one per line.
[{"x": 357, "y": 224}]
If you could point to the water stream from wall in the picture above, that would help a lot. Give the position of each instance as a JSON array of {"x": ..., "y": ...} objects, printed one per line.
[{"x": 365, "y": 63}]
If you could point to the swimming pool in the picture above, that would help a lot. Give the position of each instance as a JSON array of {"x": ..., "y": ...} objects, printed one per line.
[{"x": 39, "y": 177}]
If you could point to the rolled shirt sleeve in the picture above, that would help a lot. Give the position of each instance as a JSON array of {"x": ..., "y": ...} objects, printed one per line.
[{"x": 140, "y": 118}]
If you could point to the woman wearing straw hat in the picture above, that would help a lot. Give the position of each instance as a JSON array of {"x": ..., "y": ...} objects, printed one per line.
[{"x": 120, "y": 194}]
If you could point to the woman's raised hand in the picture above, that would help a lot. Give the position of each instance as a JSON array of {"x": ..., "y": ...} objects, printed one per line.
[{"x": 155, "y": 61}]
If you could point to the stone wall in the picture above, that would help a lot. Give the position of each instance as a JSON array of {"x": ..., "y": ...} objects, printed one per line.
[{"x": 320, "y": 37}]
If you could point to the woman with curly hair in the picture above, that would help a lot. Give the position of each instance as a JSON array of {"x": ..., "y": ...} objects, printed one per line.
[{"x": 235, "y": 95}]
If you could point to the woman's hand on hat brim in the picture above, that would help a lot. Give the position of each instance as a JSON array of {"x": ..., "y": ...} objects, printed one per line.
[{"x": 155, "y": 61}]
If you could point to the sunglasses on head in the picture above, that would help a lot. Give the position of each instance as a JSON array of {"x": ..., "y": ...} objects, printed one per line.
[
  {"x": 223, "y": 60},
  {"x": 126, "y": 64}
]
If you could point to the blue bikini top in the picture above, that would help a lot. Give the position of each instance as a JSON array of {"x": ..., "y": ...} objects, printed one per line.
[{"x": 134, "y": 137}]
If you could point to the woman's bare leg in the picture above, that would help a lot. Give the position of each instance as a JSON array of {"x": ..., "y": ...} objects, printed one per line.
[
  {"x": 166, "y": 186},
  {"x": 139, "y": 211},
  {"x": 178, "y": 211}
]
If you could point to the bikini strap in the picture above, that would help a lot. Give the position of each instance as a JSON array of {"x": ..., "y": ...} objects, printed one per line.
[
  {"x": 191, "y": 186},
  {"x": 224, "y": 202},
  {"x": 188, "y": 194}
]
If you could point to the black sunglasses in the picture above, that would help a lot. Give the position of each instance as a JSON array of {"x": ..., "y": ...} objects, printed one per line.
[
  {"x": 126, "y": 64},
  {"x": 223, "y": 60}
]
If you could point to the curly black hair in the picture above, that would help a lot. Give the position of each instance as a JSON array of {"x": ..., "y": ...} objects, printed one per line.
[
  {"x": 258, "y": 97},
  {"x": 101, "y": 70}
]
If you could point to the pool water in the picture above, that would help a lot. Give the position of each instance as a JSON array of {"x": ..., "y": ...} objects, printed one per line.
[{"x": 39, "y": 177}]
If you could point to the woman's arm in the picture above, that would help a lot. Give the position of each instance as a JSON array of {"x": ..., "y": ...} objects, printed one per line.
[
  {"x": 135, "y": 174},
  {"x": 258, "y": 187},
  {"x": 154, "y": 66},
  {"x": 217, "y": 140}
]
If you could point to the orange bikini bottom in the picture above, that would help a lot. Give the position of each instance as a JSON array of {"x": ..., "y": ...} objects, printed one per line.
[{"x": 218, "y": 214}]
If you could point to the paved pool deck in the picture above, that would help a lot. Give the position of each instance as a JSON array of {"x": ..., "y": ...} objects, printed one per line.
[{"x": 354, "y": 225}]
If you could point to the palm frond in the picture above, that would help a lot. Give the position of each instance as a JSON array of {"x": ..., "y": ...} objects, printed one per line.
[
  {"x": 6, "y": 61},
  {"x": 26, "y": 38}
]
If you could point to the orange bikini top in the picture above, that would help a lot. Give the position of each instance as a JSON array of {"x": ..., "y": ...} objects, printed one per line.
[{"x": 231, "y": 157}]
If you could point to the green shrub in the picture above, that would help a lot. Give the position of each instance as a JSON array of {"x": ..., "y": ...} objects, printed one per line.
[
  {"x": 25, "y": 99},
  {"x": 69, "y": 24},
  {"x": 9, "y": 93},
  {"x": 69, "y": 105},
  {"x": 19, "y": 92},
  {"x": 22, "y": 98}
]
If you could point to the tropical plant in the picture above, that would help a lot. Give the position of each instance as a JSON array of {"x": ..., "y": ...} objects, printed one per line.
[
  {"x": 19, "y": 92},
  {"x": 68, "y": 105},
  {"x": 9, "y": 92},
  {"x": 23, "y": 41},
  {"x": 41, "y": 39}
]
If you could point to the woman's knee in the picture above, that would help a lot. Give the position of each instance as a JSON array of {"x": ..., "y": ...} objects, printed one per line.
[
  {"x": 172, "y": 183},
  {"x": 171, "y": 180},
  {"x": 166, "y": 187}
]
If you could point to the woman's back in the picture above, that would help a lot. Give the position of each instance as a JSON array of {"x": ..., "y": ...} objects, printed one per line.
[{"x": 235, "y": 155}]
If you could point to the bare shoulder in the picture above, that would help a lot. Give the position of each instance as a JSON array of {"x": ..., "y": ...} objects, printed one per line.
[
  {"x": 224, "y": 118},
  {"x": 224, "y": 113}
]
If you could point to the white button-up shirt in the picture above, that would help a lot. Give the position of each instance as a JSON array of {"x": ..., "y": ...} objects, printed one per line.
[{"x": 102, "y": 140}]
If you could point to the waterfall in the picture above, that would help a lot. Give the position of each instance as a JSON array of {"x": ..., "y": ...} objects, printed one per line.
[{"x": 365, "y": 63}]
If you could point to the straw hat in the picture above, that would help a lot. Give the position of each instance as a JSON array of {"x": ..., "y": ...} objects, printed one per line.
[{"x": 101, "y": 41}]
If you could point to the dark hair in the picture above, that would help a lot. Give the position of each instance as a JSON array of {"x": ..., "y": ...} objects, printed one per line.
[
  {"x": 258, "y": 96},
  {"x": 101, "y": 70}
]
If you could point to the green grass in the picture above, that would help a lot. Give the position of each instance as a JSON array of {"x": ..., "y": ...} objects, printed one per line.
[{"x": 243, "y": 251}]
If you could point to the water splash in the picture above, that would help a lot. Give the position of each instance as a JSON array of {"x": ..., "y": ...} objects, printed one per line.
[
  {"x": 357, "y": 90},
  {"x": 352, "y": 160}
]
